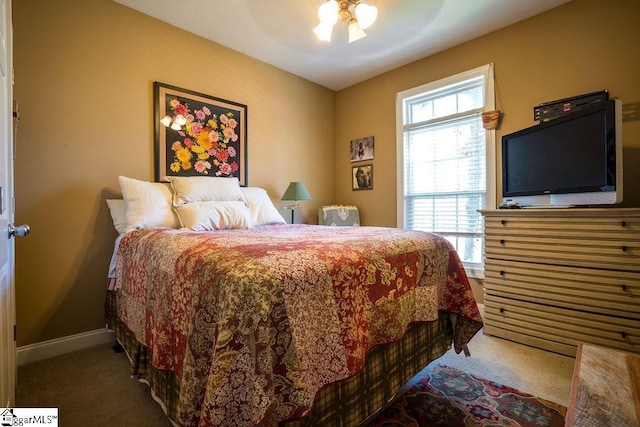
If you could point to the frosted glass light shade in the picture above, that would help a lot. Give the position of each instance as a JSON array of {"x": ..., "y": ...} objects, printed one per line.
[
  {"x": 323, "y": 31},
  {"x": 166, "y": 120},
  {"x": 180, "y": 120},
  {"x": 328, "y": 12},
  {"x": 366, "y": 15},
  {"x": 355, "y": 32}
]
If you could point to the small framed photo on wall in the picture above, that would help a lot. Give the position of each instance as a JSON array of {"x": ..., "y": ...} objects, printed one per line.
[
  {"x": 362, "y": 177},
  {"x": 361, "y": 149}
]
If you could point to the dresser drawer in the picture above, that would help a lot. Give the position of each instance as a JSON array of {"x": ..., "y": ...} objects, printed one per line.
[
  {"x": 608, "y": 292},
  {"x": 569, "y": 224},
  {"x": 622, "y": 254},
  {"x": 556, "y": 328}
]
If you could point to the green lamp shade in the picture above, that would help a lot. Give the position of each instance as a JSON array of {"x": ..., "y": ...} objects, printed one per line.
[{"x": 296, "y": 191}]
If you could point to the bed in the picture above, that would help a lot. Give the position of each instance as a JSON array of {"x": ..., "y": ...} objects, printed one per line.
[{"x": 277, "y": 324}]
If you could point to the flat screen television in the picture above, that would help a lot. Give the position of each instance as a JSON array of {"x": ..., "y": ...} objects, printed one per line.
[{"x": 573, "y": 160}]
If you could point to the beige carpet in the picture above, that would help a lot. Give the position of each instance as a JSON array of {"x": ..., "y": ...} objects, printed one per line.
[{"x": 92, "y": 387}]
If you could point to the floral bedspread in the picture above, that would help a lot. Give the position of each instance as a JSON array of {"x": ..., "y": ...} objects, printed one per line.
[{"x": 254, "y": 322}]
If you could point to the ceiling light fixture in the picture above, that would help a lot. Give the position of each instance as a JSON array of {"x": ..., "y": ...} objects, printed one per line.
[
  {"x": 174, "y": 123},
  {"x": 357, "y": 14}
]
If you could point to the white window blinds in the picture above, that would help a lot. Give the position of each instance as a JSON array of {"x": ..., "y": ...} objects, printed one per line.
[{"x": 444, "y": 164}]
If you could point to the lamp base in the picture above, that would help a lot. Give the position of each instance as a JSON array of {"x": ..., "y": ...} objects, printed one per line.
[{"x": 293, "y": 208}]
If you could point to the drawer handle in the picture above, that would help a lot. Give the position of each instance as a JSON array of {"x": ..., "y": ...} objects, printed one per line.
[
  {"x": 502, "y": 241},
  {"x": 623, "y": 334},
  {"x": 624, "y": 249},
  {"x": 624, "y": 287},
  {"x": 502, "y": 274},
  {"x": 624, "y": 223},
  {"x": 503, "y": 222},
  {"x": 501, "y": 310}
]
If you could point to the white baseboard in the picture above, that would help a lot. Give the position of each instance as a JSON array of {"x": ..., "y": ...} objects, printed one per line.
[{"x": 58, "y": 346}]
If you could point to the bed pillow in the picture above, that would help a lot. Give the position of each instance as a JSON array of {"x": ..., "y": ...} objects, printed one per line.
[
  {"x": 204, "y": 189},
  {"x": 261, "y": 208},
  {"x": 148, "y": 204},
  {"x": 210, "y": 215},
  {"x": 118, "y": 209}
]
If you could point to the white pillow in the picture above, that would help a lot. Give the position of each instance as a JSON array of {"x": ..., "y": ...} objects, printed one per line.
[
  {"x": 118, "y": 209},
  {"x": 204, "y": 189},
  {"x": 204, "y": 216},
  {"x": 261, "y": 208},
  {"x": 148, "y": 204}
]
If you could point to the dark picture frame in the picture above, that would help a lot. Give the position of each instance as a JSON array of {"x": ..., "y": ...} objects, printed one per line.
[
  {"x": 362, "y": 177},
  {"x": 361, "y": 149},
  {"x": 208, "y": 137}
]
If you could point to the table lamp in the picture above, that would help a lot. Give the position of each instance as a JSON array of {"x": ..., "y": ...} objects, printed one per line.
[{"x": 295, "y": 191}]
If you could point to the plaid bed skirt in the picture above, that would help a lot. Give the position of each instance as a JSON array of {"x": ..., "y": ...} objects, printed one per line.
[{"x": 346, "y": 403}]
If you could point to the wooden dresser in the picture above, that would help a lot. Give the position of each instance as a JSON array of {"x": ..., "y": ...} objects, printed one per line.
[{"x": 558, "y": 277}]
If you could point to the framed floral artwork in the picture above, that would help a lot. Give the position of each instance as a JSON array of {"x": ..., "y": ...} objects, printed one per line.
[
  {"x": 198, "y": 135},
  {"x": 362, "y": 177}
]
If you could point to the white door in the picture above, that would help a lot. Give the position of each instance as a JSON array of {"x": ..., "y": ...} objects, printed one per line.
[{"x": 7, "y": 296}]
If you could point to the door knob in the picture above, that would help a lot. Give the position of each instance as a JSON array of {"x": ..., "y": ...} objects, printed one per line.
[{"x": 21, "y": 230}]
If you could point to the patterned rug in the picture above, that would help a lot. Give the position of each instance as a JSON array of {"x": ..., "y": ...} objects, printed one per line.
[{"x": 449, "y": 397}]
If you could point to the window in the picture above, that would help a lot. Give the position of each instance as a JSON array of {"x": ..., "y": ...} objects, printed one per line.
[{"x": 446, "y": 166}]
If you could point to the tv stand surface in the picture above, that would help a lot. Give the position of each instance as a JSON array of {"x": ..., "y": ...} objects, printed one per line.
[{"x": 558, "y": 277}]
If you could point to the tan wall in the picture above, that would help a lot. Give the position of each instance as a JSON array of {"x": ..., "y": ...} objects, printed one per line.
[
  {"x": 580, "y": 47},
  {"x": 84, "y": 73},
  {"x": 83, "y": 78}
]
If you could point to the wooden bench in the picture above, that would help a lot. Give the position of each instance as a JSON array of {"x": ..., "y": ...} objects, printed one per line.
[{"x": 605, "y": 390}]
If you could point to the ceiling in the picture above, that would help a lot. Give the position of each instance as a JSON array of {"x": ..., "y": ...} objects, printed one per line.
[{"x": 279, "y": 32}]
